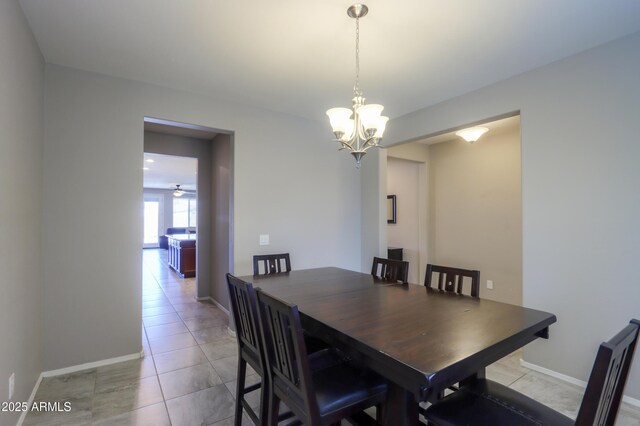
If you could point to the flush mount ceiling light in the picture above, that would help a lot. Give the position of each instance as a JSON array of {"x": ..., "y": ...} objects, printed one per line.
[
  {"x": 365, "y": 129},
  {"x": 178, "y": 192},
  {"x": 472, "y": 134},
  {"x": 150, "y": 160}
]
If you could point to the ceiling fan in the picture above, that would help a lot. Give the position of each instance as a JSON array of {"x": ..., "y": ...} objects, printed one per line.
[{"x": 179, "y": 192}]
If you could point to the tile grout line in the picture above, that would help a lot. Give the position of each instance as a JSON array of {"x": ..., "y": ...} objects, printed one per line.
[{"x": 520, "y": 377}]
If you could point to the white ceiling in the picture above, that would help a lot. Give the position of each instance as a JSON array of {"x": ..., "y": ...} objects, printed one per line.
[
  {"x": 297, "y": 56},
  {"x": 167, "y": 171}
]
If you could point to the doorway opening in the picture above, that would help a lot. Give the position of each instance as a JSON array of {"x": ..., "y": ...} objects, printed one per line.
[
  {"x": 170, "y": 211},
  {"x": 188, "y": 224},
  {"x": 460, "y": 205}
]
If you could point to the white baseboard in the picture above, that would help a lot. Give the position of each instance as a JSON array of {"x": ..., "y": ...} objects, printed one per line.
[
  {"x": 581, "y": 383},
  {"x": 222, "y": 308},
  {"x": 73, "y": 369},
  {"x": 30, "y": 400},
  {"x": 95, "y": 364},
  {"x": 215, "y": 302}
]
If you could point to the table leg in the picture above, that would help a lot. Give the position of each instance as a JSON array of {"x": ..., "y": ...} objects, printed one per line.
[
  {"x": 401, "y": 407},
  {"x": 480, "y": 374}
]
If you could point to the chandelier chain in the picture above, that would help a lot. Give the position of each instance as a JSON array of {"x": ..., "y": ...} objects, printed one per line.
[{"x": 356, "y": 88}]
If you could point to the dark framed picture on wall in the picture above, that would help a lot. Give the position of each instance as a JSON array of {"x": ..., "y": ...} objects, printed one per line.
[{"x": 391, "y": 209}]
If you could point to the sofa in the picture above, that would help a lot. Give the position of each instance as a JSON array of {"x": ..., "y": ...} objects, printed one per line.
[{"x": 163, "y": 241}]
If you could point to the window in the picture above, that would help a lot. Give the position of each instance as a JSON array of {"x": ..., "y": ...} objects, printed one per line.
[
  {"x": 151, "y": 212},
  {"x": 184, "y": 212}
]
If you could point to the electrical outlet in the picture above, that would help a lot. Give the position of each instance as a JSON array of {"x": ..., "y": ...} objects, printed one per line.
[
  {"x": 12, "y": 385},
  {"x": 490, "y": 284},
  {"x": 264, "y": 239}
]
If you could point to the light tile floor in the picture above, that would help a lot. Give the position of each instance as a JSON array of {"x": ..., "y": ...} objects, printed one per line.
[{"x": 188, "y": 374}]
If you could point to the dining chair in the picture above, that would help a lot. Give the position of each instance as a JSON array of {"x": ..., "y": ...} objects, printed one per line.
[
  {"x": 250, "y": 348},
  {"x": 278, "y": 264},
  {"x": 451, "y": 279},
  {"x": 390, "y": 270},
  {"x": 272, "y": 263},
  {"x": 322, "y": 395},
  {"x": 488, "y": 403}
]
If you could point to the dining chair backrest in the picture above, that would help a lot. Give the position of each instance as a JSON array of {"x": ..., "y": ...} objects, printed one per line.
[
  {"x": 245, "y": 314},
  {"x": 287, "y": 360},
  {"x": 451, "y": 279},
  {"x": 602, "y": 398},
  {"x": 390, "y": 270},
  {"x": 272, "y": 263}
]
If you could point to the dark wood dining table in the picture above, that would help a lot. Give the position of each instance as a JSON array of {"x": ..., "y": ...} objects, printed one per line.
[{"x": 422, "y": 340}]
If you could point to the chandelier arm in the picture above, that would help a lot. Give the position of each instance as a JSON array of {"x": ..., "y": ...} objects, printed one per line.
[
  {"x": 345, "y": 145},
  {"x": 368, "y": 145}
]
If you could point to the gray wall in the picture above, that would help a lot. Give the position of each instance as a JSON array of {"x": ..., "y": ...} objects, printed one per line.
[
  {"x": 289, "y": 182},
  {"x": 581, "y": 238},
  {"x": 159, "y": 143},
  {"x": 221, "y": 217},
  {"x": 476, "y": 210},
  {"x": 373, "y": 200},
  {"x": 21, "y": 89}
]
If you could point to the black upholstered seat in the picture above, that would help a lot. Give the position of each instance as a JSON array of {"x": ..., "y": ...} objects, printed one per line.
[
  {"x": 486, "y": 403},
  {"x": 345, "y": 385}
]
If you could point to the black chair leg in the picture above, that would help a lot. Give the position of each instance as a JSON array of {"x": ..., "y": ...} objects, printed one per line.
[
  {"x": 274, "y": 407},
  {"x": 380, "y": 414},
  {"x": 264, "y": 400},
  {"x": 242, "y": 369}
]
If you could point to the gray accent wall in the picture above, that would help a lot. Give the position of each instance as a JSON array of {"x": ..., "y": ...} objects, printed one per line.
[
  {"x": 581, "y": 204},
  {"x": 475, "y": 205},
  {"x": 21, "y": 115},
  {"x": 289, "y": 182},
  {"x": 221, "y": 216}
]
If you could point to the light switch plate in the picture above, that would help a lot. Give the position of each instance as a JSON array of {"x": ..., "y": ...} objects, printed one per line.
[
  {"x": 264, "y": 239},
  {"x": 490, "y": 284}
]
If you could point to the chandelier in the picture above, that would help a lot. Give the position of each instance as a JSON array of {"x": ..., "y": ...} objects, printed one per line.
[{"x": 365, "y": 129}]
